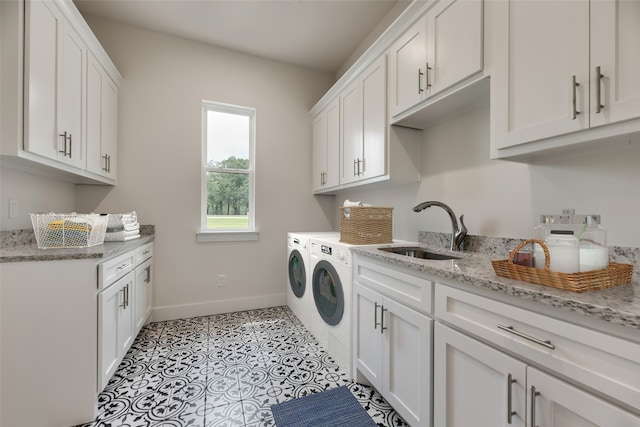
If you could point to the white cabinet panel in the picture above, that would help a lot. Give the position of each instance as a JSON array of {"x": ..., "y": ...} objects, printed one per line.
[
  {"x": 615, "y": 34},
  {"x": 115, "y": 326},
  {"x": 143, "y": 294},
  {"x": 102, "y": 120},
  {"x": 43, "y": 31},
  {"x": 454, "y": 43},
  {"x": 407, "y": 63},
  {"x": 374, "y": 116},
  {"x": 368, "y": 338},
  {"x": 555, "y": 403},
  {"x": 475, "y": 384},
  {"x": 351, "y": 131}
]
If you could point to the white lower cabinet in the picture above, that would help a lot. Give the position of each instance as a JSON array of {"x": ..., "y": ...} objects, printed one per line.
[
  {"x": 555, "y": 403},
  {"x": 124, "y": 306},
  {"x": 501, "y": 382},
  {"x": 392, "y": 351},
  {"x": 475, "y": 384},
  {"x": 143, "y": 294},
  {"x": 115, "y": 326}
]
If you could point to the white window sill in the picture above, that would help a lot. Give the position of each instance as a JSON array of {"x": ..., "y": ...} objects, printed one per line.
[{"x": 227, "y": 236}]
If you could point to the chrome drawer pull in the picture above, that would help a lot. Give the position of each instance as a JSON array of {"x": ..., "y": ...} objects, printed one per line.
[
  {"x": 375, "y": 315},
  {"x": 513, "y": 331}
]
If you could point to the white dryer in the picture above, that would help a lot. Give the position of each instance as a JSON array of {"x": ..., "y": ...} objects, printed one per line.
[
  {"x": 330, "y": 313},
  {"x": 299, "y": 273}
]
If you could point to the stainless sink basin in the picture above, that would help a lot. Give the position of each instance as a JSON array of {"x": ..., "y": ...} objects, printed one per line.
[{"x": 417, "y": 252}]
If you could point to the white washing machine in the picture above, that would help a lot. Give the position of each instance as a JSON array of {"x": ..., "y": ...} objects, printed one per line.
[
  {"x": 299, "y": 272},
  {"x": 330, "y": 313}
]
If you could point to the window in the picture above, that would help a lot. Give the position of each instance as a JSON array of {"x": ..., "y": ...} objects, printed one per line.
[{"x": 228, "y": 171}]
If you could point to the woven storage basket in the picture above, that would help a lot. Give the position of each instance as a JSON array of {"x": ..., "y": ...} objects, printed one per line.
[
  {"x": 615, "y": 274},
  {"x": 69, "y": 230},
  {"x": 361, "y": 225}
]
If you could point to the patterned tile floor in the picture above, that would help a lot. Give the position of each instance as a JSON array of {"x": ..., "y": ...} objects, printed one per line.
[{"x": 224, "y": 370}]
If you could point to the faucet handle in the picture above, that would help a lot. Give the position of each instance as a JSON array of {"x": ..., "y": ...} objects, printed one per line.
[{"x": 460, "y": 234}]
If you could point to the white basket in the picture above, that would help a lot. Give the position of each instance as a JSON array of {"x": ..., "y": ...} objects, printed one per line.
[{"x": 69, "y": 230}]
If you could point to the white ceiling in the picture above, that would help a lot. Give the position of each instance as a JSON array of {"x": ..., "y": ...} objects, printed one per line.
[{"x": 316, "y": 34}]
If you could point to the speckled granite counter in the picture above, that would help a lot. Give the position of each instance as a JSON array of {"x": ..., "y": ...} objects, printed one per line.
[
  {"x": 619, "y": 305},
  {"x": 18, "y": 246}
]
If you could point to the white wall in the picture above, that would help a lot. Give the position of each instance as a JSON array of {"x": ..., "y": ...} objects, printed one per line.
[
  {"x": 505, "y": 199},
  {"x": 165, "y": 80},
  {"x": 33, "y": 193}
]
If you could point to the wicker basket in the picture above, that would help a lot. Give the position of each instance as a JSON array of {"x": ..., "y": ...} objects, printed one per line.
[
  {"x": 615, "y": 274},
  {"x": 362, "y": 225},
  {"x": 69, "y": 230}
]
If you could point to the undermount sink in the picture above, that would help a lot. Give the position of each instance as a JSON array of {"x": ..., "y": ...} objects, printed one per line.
[{"x": 418, "y": 252}]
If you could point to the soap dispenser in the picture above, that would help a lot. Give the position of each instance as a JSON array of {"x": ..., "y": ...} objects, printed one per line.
[{"x": 594, "y": 252}]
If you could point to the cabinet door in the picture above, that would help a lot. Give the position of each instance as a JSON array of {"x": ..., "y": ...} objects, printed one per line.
[
  {"x": 319, "y": 148},
  {"x": 115, "y": 326},
  {"x": 475, "y": 384},
  {"x": 71, "y": 98},
  {"x": 548, "y": 44},
  {"x": 326, "y": 147},
  {"x": 351, "y": 114},
  {"x": 143, "y": 295},
  {"x": 555, "y": 403},
  {"x": 43, "y": 46},
  {"x": 408, "y": 60},
  {"x": 102, "y": 116},
  {"x": 615, "y": 34},
  {"x": 407, "y": 362},
  {"x": 374, "y": 107},
  {"x": 367, "y": 345},
  {"x": 454, "y": 43}
]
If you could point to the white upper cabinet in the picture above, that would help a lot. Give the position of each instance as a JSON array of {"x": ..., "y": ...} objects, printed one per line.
[
  {"x": 64, "y": 123},
  {"x": 363, "y": 111},
  {"x": 454, "y": 43},
  {"x": 562, "y": 70},
  {"x": 440, "y": 50},
  {"x": 55, "y": 85},
  {"x": 326, "y": 147},
  {"x": 102, "y": 120},
  {"x": 407, "y": 66},
  {"x": 615, "y": 36},
  {"x": 41, "y": 77}
]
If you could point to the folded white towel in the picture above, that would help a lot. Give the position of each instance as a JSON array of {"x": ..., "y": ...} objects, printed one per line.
[
  {"x": 131, "y": 227},
  {"x": 348, "y": 203},
  {"x": 121, "y": 236}
]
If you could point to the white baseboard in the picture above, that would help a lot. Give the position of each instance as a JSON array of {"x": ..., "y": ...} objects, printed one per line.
[{"x": 185, "y": 311}]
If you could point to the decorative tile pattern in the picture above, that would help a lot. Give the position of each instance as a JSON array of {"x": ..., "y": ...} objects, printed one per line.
[{"x": 224, "y": 370}]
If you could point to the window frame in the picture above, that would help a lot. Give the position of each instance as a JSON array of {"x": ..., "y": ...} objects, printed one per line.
[{"x": 227, "y": 234}]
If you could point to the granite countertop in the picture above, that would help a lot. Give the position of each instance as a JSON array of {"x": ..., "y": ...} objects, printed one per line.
[
  {"x": 30, "y": 252},
  {"x": 619, "y": 305}
]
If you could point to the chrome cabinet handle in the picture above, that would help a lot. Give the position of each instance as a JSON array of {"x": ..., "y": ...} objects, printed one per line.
[
  {"x": 382, "y": 327},
  {"x": 599, "y": 77},
  {"x": 375, "y": 315},
  {"x": 510, "y": 411},
  {"x": 427, "y": 71},
  {"x": 64, "y": 139},
  {"x": 109, "y": 163},
  {"x": 106, "y": 163},
  {"x": 70, "y": 145},
  {"x": 355, "y": 163},
  {"x": 514, "y": 331},
  {"x": 574, "y": 108},
  {"x": 123, "y": 304},
  {"x": 534, "y": 393},
  {"x": 148, "y": 279},
  {"x": 420, "y": 74}
]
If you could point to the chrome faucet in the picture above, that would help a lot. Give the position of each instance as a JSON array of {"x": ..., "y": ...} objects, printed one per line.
[{"x": 457, "y": 234}]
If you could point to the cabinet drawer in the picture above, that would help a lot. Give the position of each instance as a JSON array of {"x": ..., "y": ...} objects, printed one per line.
[
  {"x": 113, "y": 269},
  {"x": 143, "y": 253},
  {"x": 604, "y": 363},
  {"x": 412, "y": 291}
]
